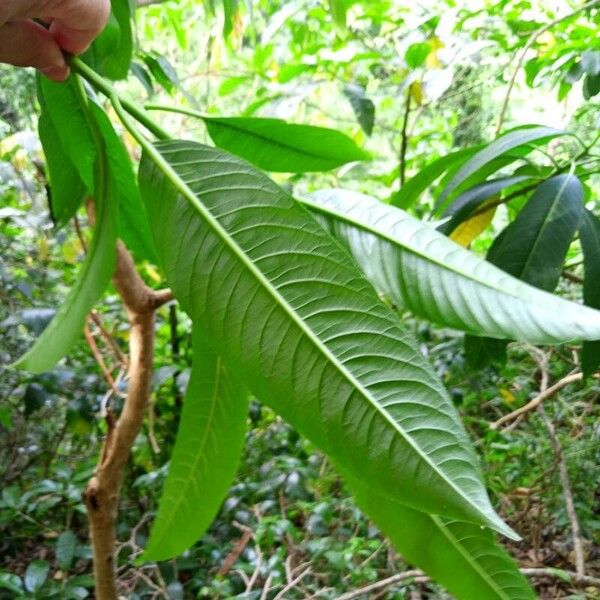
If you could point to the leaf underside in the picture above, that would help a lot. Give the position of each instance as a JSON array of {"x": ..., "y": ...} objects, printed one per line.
[
  {"x": 420, "y": 269},
  {"x": 287, "y": 309}
]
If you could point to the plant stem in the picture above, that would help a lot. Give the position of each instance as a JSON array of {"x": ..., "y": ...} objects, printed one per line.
[{"x": 102, "y": 85}]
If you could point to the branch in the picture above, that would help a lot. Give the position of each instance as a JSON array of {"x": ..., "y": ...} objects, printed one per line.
[
  {"x": 533, "y": 38},
  {"x": 543, "y": 395},
  {"x": 102, "y": 492},
  {"x": 559, "y": 573},
  {"x": 378, "y": 585},
  {"x": 404, "y": 139}
]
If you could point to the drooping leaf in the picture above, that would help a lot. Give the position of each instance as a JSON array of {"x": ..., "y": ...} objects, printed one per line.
[
  {"x": 468, "y": 230},
  {"x": 71, "y": 125},
  {"x": 66, "y": 544},
  {"x": 338, "y": 10},
  {"x": 230, "y": 8},
  {"x": 133, "y": 222},
  {"x": 589, "y": 236},
  {"x": 204, "y": 461},
  {"x": 536, "y": 242},
  {"x": 591, "y": 86},
  {"x": 112, "y": 50},
  {"x": 462, "y": 557},
  {"x": 67, "y": 191},
  {"x": 162, "y": 71},
  {"x": 502, "y": 145},
  {"x": 471, "y": 200},
  {"x": 534, "y": 246},
  {"x": 419, "y": 268},
  {"x": 65, "y": 328},
  {"x": 415, "y": 186},
  {"x": 363, "y": 107},
  {"x": 274, "y": 145},
  {"x": 287, "y": 309}
]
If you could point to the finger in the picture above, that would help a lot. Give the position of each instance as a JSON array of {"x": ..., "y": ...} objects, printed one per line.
[
  {"x": 24, "y": 43},
  {"x": 78, "y": 23}
]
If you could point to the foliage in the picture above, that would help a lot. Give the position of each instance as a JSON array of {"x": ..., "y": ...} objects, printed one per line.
[{"x": 279, "y": 306}]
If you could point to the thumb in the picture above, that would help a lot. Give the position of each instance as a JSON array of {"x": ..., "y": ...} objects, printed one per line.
[{"x": 24, "y": 43}]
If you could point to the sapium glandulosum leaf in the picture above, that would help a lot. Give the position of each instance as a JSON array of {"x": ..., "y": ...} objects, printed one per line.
[
  {"x": 290, "y": 312},
  {"x": 464, "y": 558},
  {"x": 420, "y": 269},
  {"x": 209, "y": 443}
]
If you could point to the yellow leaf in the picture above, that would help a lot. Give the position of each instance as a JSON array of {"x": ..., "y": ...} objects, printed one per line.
[
  {"x": 152, "y": 273},
  {"x": 43, "y": 248},
  {"x": 467, "y": 231},
  {"x": 508, "y": 396},
  {"x": 546, "y": 41},
  {"x": 71, "y": 251},
  {"x": 416, "y": 92},
  {"x": 432, "y": 61}
]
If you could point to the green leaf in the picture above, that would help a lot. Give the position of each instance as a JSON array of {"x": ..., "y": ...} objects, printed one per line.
[
  {"x": 71, "y": 125},
  {"x": 363, "y": 107},
  {"x": 113, "y": 48},
  {"x": 133, "y": 222},
  {"x": 65, "y": 328},
  {"x": 288, "y": 310},
  {"x": 502, "y": 145},
  {"x": 230, "y": 8},
  {"x": 36, "y": 575},
  {"x": 206, "y": 454},
  {"x": 416, "y": 54},
  {"x": 339, "y": 10},
  {"x": 65, "y": 549},
  {"x": 591, "y": 86},
  {"x": 464, "y": 558},
  {"x": 421, "y": 269},
  {"x": 67, "y": 191},
  {"x": 274, "y": 145},
  {"x": 469, "y": 201},
  {"x": 12, "y": 582},
  {"x": 414, "y": 187},
  {"x": 535, "y": 245},
  {"x": 589, "y": 236}
]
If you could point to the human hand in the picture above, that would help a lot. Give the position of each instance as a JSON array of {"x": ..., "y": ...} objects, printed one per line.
[{"x": 73, "y": 25}]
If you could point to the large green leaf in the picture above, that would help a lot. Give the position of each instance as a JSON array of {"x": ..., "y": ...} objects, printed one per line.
[
  {"x": 504, "y": 144},
  {"x": 205, "y": 458},
  {"x": 133, "y": 222},
  {"x": 67, "y": 191},
  {"x": 274, "y": 145},
  {"x": 288, "y": 310},
  {"x": 63, "y": 331},
  {"x": 535, "y": 244},
  {"x": 421, "y": 269},
  {"x": 589, "y": 236},
  {"x": 462, "y": 557},
  {"x": 62, "y": 105}
]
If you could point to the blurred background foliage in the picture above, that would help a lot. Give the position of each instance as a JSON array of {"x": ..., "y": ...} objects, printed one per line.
[{"x": 409, "y": 82}]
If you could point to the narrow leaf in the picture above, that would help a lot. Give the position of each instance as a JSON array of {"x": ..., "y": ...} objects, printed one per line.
[
  {"x": 464, "y": 558},
  {"x": 413, "y": 188},
  {"x": 502, "y": 145},
  {"x": 363, "y": 107},
  {"x": 206, "y": 454},
  {"x": 421, "y": 269},
  {"x": 589, "y": 235},
  {"x": 67, "y": 191},
  {"x": 288, "y": 310},
  {"x": 274, "y": 145}
]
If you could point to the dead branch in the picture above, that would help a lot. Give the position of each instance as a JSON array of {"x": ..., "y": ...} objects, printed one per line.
[
  {"x": 102, "y": 492},
  {"x": 558, "y": 574},
  {"x": 532, "y": 404},
  {"x": 383, "y": 583}
]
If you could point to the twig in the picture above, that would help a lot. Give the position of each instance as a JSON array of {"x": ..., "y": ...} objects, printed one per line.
[
  {"x": 533, "y": 38},
  {"x": 563, "y": 471},
  {"x": 99, "y": 358},
  {"x": 532, "y": 404},
  {"x": 571, "y": 276},
  {"x": 558, "y": 574},
  {"x": 378, "y": 585},
  {"x": 404, "y": 139},
  {"x": 235, "y": 553},
  {"x": 281, "y": 595}
]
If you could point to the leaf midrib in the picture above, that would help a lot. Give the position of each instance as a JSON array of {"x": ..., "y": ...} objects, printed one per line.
[{"x": 187, "y": 192}]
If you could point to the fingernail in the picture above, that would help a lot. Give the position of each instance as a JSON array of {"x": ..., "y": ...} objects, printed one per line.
[{"x": 56, "y": 72}]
